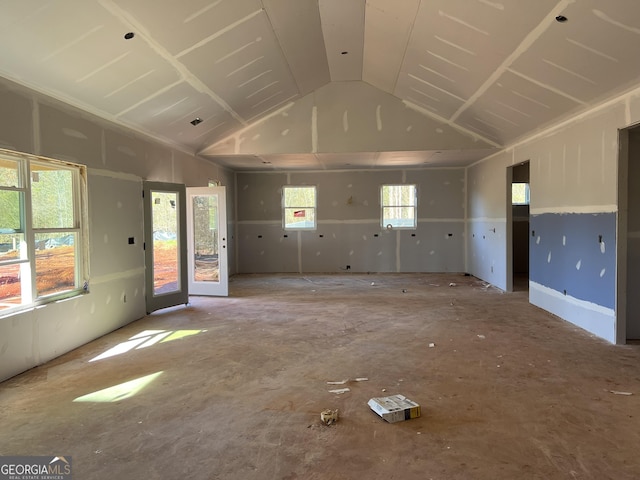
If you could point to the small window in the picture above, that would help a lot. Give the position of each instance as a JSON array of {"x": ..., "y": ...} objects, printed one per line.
[
  {"x": 520, "y": 193},
  {"x": 399, "y": 206},
  {"x": 299, "y": 207}
]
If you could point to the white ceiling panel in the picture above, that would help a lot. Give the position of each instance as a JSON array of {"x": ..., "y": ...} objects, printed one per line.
[
  {"x": 513, "y": 106},
  {"x": 89, "y": 63},
  {"x": 577, "y": 57},
  {"x": 387, "y": 32},
  {"x": 246, "y": 67},
  {"x": 343, "y": 29},
  {"x": 456, "y": 47},
  {"x": 182, "y": 25},
  {"x": 299, "y": 31},
  {"x": 171, "y": 112},
  {"x": 428, "y": 96}
]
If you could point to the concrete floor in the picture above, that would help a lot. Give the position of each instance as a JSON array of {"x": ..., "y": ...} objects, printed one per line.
[{"x": 507, "y": 392}]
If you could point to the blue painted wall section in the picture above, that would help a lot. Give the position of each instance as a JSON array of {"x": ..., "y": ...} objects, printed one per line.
[{"x": 576, "y": 253}]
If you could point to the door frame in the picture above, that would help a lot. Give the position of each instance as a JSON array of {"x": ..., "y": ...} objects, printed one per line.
[
  {"x": 181, "y": 296},
  {"x": 220, "y": 288}
]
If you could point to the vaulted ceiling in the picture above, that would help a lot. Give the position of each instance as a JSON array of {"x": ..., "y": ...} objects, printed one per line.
[{"x": 479, "y": 73}]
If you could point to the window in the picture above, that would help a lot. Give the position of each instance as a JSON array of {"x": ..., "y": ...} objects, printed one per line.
[
  {"x": 299, "y": 208},
  {"x": 520, "y": 193},
  {"x": 399, "y": 206},
  {"x": 42, "y": 203}
]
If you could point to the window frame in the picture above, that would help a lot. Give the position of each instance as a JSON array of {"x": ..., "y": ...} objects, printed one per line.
[
  {"x": 314, "y": 207},
  {"x": 383, "y": 206},
  {"x": 27, "y": 259}
]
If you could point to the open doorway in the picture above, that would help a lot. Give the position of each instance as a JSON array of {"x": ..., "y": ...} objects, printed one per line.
[
  {"x": 628, "y": 301},
  {"x": 519, "y": 225}
]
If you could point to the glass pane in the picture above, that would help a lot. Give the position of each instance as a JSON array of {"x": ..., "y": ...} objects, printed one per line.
[
  {"x": 52, "y": 197},
  {"x": 9, "y": 173},
  {"x": 520, "y": 194},
  {"x": 166, "y": 259},
  {"x": 299, "y": 218},
  {"x": 10, "y": 288},
  {"x": 12, "y": 247},
  {"x": 299, "y": 196},
  {"x": 398, "y": 195},
  {"x": 205, "y": 238},
  {"x": 398, "y": 217},
  {"x": 55, "y": 262},
  {"x": 10, "y": 210}
]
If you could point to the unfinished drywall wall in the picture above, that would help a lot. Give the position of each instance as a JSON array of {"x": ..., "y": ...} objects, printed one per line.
[
  {"x": 573, "y": 175},
  {"x": 117, "y": 161},
  {"x": 348, "y": 117},
  {"x": 487, "y": 220},
  {"x": 349, "y": 233}
]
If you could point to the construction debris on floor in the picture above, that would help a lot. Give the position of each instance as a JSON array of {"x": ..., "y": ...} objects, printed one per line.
[{"x": 395, "y": 408}]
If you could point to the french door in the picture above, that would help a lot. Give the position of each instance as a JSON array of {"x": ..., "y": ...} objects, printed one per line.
[
  {"x": 165, "y": 235},
  {"x": 207, "y": 241}
]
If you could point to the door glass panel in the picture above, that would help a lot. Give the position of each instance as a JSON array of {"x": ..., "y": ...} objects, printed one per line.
[
  {"x": 205, "y": 238},
  {"x": 166, "y": 259}
]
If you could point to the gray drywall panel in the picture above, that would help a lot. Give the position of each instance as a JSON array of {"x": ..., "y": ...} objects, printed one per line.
[
  {"x": 69, "y": 137},
  {"x": 357, "y": 117},
  {"x": 348, "y": 196},
  {"x": 16, "y": 122},
  {"x": 441, "y": 192},
  {"x": 36, "y": 336},
  {"x": 363, "y": 246},
  {"x": 130, "y": 154},
  {"x": 288, "y": 131},
  {"x": 487, "y": 188},
  {"x": 345, "y": 117},
  {"x": 116, "y": 216},
  {"x": 433, "y": 247},
  {"x": 266, "y": 248},
  {"x": 487, "y": 246},
  {"x": 575, "y": 254},
  {"x": 634, "y": 108},
  {"x": 575, "y": 166},
  {"x": 260, "y": 196}
]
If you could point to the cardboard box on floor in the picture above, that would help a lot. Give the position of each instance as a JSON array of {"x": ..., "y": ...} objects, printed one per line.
[{"x": 395, "y": 408}]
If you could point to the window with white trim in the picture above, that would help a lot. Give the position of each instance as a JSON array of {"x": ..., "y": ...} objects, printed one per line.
[
  {"x": 398, "y": 206},
  {"x": 299, "y": 207},
  {"x": 42, "y": 230}
]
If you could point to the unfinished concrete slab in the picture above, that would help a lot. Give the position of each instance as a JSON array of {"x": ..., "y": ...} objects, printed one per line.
[{"x": 233, "y": 388}]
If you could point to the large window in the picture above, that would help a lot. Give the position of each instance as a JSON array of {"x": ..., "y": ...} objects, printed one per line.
[
  {"x": 299, "y": 207},
  {"x": 42, "y": 235},
  {"x": 399, "y": 205}
]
